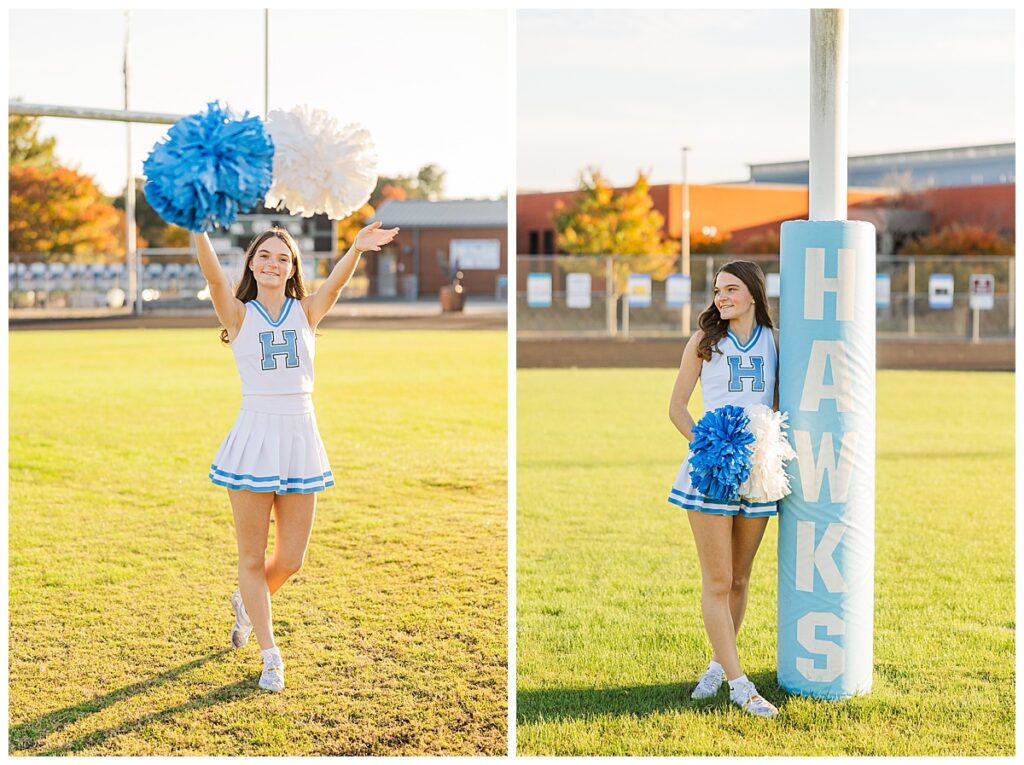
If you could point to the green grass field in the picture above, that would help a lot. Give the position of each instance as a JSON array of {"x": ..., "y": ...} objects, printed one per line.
[
  {"x": 610, "y": 638},
  {"x": 122, "y": 553}
]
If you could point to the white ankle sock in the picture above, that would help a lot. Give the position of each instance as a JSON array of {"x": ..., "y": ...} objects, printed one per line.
[
  {"x": 737, "y": 681},
  {"x": 715, "y": 665},
  {"x": 269, "y": 653}
]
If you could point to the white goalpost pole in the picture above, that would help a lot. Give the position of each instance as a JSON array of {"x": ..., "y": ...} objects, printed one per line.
[{"x": 827, "y": 387}]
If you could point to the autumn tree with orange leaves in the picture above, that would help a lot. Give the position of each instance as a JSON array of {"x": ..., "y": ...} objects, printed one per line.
[
  {"x": 603, "y": 221},
  {"x": 53, "y": 210}
]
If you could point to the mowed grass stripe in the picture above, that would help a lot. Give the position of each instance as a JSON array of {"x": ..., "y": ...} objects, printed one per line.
[
  {"x": 122, "y": 553},
  {"x": 610, "y": 638}
]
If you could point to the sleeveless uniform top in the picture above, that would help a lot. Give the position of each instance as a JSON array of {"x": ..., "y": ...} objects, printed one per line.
[
  {"x": 275, "y": 357},
  {"x": 742, "y": 374}
]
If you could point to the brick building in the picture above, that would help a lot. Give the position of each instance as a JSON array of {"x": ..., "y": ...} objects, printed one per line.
[
  {"x": 912, "y": 193},
  {"x": 470, "y": 234}
]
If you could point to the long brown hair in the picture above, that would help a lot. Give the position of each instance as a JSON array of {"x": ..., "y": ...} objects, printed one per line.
[
  {"x": 711, "y": 321},
  {"x": 247, "y": 290}
]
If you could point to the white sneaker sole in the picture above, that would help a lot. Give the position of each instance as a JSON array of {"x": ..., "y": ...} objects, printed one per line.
[
  {"x": 273, "y": 682},
  {"x": 758, "y": 711},
  {"x": 239, "y": 631}
]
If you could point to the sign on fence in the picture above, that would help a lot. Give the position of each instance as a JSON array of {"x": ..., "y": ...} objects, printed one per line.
[
  {"x": 771, "y": 285},
  {"x": 538, "y": 290},
  {"x": 677, "y": 291},
  {"x": 577, "y": 290},
  {"x": 982, "y": 292},
  {"x": 883, "y": 290},
  {"x": 639, "y": 290},
  {"x": 940, "y": 291}
]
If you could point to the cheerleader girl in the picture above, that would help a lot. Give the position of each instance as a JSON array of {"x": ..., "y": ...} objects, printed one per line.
[
  {"x": 734, "y": 354},
  {"x": 273, "y": 460}
]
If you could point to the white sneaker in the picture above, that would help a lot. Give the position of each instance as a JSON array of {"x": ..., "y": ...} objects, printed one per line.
[
  {"x": 243, "y": 627},
  {"x": 272, "y": 678},
  {"x": 745, "y": 695},
  {"x": 709, "y": 682}
]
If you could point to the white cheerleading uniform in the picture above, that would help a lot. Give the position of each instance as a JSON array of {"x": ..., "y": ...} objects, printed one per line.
[
  {"x": 741, "y": 375},
  {"x": 274, "y": 445}
]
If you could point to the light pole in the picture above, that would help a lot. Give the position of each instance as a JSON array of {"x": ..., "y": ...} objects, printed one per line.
[
  {"x": 266, "y": 62},
  {"x": 684, "y": 240},
  {"x": 131, "y": 253}
]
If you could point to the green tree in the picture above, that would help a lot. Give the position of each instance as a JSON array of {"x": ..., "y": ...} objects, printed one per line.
[
  {"x": 428, "y": 183},
  {"x": 24, "y": 146},
  {"x": 601, "y": 221}
]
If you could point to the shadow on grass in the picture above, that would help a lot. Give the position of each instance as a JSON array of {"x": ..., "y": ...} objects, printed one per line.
[
  {"x": 565, "y": 704},
  {"x": 25, "y": 735}
]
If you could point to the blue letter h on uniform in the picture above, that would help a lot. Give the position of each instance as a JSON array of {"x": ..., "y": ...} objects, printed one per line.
[
  {"x": 272, "y": 350},
  {"x": 754, "y": 372}
]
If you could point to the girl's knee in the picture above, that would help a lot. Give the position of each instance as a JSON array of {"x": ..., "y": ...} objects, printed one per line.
[
  {"x": 740, "y": 583},
  {"x": 250, "y": 564},
  {"x": 717, "y": 585},
  {"x": 289, "y": 564}
]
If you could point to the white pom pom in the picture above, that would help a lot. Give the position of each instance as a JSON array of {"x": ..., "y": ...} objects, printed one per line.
[
  {"x": 768, "y": 481},
  {"x": 317, "y": 167}
]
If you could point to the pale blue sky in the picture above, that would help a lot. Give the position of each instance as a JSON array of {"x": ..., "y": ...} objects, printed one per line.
[
  {"x": 624, "y": 90},
  {"x": 430, "y": 85}
]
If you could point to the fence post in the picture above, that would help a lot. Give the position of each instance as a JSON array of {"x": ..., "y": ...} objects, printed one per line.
[
  {"x": 626, "y": 308},
  {"x": 1010, "y": 296},
  {"x": 609, "y": 296},
  {"x": 910, "y": 297}
]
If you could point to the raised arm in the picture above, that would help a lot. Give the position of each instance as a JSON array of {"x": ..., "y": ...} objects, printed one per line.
[
  {"x": 230, "y": 310},
  {"x": 686, "y": 381},
  {"x": 373, "y": 237}
]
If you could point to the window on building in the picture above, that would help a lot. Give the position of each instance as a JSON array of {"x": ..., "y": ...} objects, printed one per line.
[
  {"x": 549, "y": 242},
  {"x": 534, "y": 246}
]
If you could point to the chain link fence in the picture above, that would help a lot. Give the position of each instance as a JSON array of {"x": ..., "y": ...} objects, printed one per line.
[{"x": 587, "y": 295}]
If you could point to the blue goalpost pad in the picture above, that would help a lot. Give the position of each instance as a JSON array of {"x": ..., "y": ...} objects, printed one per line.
[{"x": 826, "y": 545}]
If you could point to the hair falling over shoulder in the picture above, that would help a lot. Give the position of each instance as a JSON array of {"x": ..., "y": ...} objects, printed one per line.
[
  {"x": 246, "y": 290},
  {"x": 711, "y": 321}
]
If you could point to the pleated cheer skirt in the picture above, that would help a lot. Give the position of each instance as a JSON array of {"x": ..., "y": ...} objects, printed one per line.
[
  {"x": 274, "y": 446},
  {"x": 687, "y": 497}
]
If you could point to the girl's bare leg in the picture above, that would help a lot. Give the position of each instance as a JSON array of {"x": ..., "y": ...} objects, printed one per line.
[
  {"x": 747, "y": 534},
  {"x": 252, "y": 522},
  {"x": 713, "y": 536},
  {"x": 293, "y": 523}
]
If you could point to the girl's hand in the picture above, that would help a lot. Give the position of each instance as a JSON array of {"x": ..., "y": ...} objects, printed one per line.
[{"x": 373, "y": 237}]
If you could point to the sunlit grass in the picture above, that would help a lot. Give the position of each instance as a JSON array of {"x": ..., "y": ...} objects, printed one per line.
[
  {"x": 122, "y": 553},
  {"x": 610, "y": 638}
]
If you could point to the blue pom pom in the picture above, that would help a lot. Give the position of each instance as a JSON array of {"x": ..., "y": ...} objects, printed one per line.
[
  {"x": 719, "y": 455},
  {"x": 210, "y": 166}
]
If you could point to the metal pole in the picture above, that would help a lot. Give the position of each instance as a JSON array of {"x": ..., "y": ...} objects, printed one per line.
[
  {"x": 976, "y": 332},
  {"x": 911, "y": 297},
  {"x": 266, "y": 62},
  {"x": 1009, "y": 295},
  {"x": 90, "y": 113},
  {"x": 625, "y": 312},
  {"x": 709, "y": 278},
  {"x": 684, "y": 239},
  {"x": 609, "y": 296},
  {"x": 829, "y": 89},
  {"x": 131, "y": 255}
]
